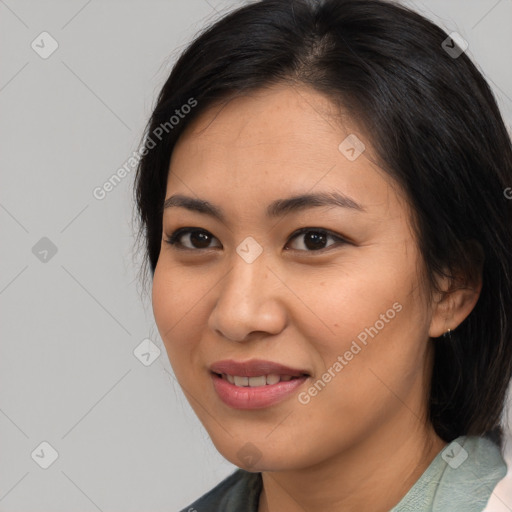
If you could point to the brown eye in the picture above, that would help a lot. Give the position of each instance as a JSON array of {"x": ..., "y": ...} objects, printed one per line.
[
  {"x": 315, "y": 239},
  {"x": 195, "y": 238}
]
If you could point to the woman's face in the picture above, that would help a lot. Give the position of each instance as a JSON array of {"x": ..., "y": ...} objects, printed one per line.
[{"x": 342, "y": 302}]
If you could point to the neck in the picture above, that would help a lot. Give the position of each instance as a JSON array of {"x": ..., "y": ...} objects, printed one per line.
[{"x": 379, "y": 470}]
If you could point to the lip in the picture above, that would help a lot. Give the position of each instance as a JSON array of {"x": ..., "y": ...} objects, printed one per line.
[
  {"x": 254, "y": 368},
  {"x": 258, "y": 397}
]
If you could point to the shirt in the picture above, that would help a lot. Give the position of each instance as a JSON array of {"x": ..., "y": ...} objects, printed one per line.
[{"x": 461, "y": 478}]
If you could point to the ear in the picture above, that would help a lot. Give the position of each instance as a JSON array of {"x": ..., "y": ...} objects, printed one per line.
[{"x": 458, "y": 296}]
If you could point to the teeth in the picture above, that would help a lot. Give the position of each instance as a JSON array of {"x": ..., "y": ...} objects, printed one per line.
[
  {"x": 258, "y": 381},
  {"x": 262, "y": 380},
  {"x": 241, "y": 381},
  {"x": 273, "y": 378}
]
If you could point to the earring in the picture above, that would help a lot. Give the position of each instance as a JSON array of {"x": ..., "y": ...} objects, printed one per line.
[{"x": 448, "y": 334}]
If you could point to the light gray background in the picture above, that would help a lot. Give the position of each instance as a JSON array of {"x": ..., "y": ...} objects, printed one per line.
[{"x": 126, "y": 438}]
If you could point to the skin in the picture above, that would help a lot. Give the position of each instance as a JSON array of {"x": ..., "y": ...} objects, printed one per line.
[{"x": 364, "y": 438}]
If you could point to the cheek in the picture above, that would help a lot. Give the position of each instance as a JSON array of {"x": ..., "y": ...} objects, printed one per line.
[
  {"x": 345, "y": 303},
  {"x": 163, "y": 298},
  {"x": 180, "y": 301},
  {"x": 377, "y": 322},
  {"x": 171, "y": 306}
]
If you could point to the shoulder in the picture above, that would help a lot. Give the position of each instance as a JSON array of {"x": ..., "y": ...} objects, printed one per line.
[
  {"x": 461, "y": 478},
  {"x": 473, "y": 467},
  {"x": 239, "y": 491}
]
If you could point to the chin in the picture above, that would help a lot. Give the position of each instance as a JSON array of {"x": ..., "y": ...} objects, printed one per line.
[{"x": 254, "y": 460}]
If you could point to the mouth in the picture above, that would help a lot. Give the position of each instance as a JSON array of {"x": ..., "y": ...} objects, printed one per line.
[
  {"x": 257, "y": 368},
  {"x": 258, "y": 381},
  {"x": 255, "y": 384}
]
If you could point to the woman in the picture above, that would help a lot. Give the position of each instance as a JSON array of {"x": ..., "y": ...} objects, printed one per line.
[{"x": 322, "y": 205}]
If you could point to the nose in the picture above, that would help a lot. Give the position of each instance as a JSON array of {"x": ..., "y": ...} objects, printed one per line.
[{"x": 249, "y": 302}]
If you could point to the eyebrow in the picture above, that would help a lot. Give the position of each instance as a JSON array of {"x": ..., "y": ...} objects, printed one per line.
[{"x": 277, "y": 208}]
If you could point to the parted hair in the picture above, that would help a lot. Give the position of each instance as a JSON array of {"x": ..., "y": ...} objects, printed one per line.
[{"x": 436, "y": 130}]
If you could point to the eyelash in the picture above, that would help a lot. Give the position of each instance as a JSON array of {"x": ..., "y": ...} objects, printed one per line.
[{"x": 173, "y": 240}]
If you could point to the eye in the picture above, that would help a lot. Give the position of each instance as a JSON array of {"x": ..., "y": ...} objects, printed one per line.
[
  {"x": 200, "y": 239},
  {"x": 316, "y": 238}
]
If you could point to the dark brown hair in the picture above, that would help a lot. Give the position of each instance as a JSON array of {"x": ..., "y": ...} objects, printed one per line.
[{"x": 437, "y": 131}]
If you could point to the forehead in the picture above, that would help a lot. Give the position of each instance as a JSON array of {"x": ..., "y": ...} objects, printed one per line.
[
  {"x": 276, "y": 118},
  {"x": 272, "y": 143}
]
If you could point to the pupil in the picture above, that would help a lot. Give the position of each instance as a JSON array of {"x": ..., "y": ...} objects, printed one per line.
[
  {"x": 314, "y": 239},
  {"x": 198, "y": 237},
  {"x": 317, "y": 238}
]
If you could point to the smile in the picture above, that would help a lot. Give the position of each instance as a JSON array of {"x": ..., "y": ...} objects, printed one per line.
[
  {"x": 256, "y": 383},
  {"x": 251, "y": 393},
  {"x": 262, "y": 380}
]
